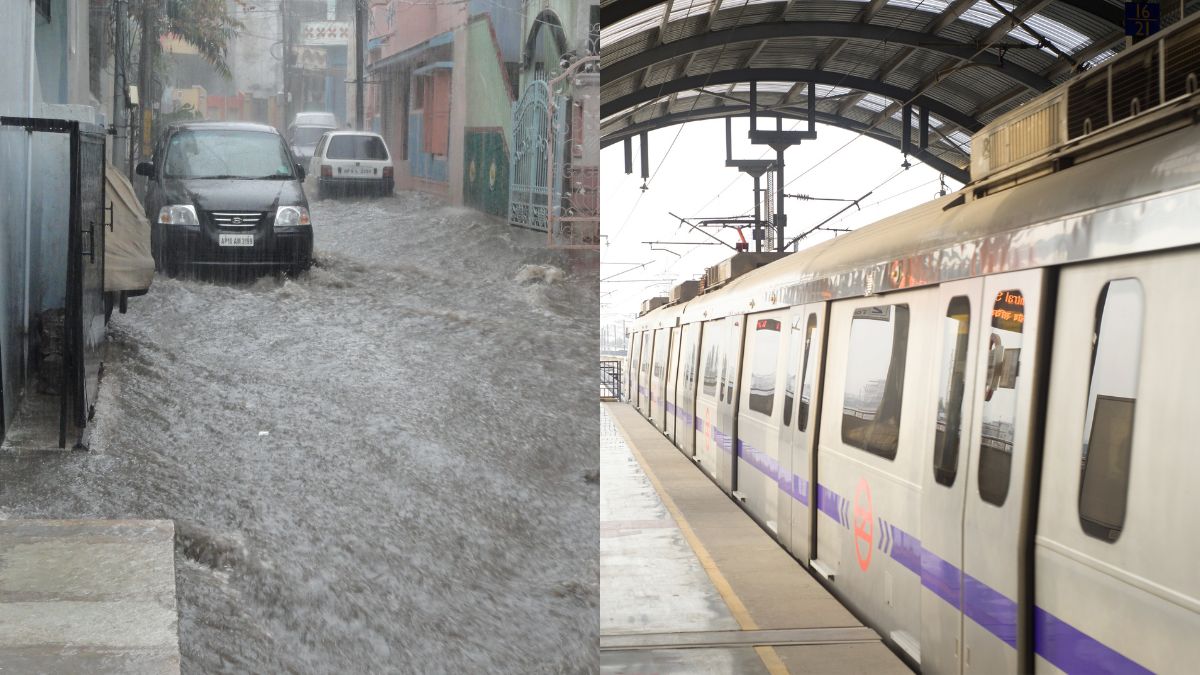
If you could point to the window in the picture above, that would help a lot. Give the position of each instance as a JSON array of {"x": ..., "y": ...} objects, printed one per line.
[
  {"x": 1108, "y": 424},
  {"x": 1000, "y": 396},
  {"x": 789, "y": 383},
  {"x": 762, "y": 371},
  {"x": 689, "y": 360},
  {"x": 227, "y": 153},
  {"x": 710, "y": 366},
  {"x": 660, "y": 354},
  {"x": 875, "y": 379},
  {"x": 806, "y": 373},
  {"x": 351, "y": 146},
  {"x": 645, "y": 353},
  {"x": 724, "y": 372},
  {"x": 956, "y": 331}
]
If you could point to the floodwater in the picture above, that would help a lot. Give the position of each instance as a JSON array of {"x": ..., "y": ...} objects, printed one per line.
[{"x": 386, "y": 465}]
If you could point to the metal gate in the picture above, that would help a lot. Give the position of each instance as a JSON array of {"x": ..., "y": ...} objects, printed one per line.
[
  {"x": 610, "y": 380},
  {"x": 535, "y": 179},
  {"x": 84, "y": 328},
  {"x": 83, "y": 314}
]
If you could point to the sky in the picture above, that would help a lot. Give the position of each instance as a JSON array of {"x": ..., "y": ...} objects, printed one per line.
[{"x": 689, "y": 179}]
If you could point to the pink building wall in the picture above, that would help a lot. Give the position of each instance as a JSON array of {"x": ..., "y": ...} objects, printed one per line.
[{"x": 407, "y": 24}]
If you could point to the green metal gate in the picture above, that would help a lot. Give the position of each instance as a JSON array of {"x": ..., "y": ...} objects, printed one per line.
[{"x": 535, "y": 180}]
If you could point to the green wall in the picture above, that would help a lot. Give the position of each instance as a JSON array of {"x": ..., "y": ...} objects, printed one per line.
[
  {"x": 485, "y": 180},
  {"x": 488, "y": 124}
]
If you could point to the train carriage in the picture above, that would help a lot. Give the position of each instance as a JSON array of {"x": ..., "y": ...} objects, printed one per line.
[{"x": 972, "y": 420}]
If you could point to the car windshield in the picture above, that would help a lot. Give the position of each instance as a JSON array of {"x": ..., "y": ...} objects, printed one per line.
[
  {"x": 356, "y": 147},
  {"x": 227, "y": 153},
  {"x": 307, "y": 135}
]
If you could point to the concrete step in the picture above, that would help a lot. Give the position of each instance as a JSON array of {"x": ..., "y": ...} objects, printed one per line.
[{"x": 95, "y": 596}]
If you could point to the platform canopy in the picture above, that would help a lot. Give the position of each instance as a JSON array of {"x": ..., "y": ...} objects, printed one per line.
[{"x": 965, "y": 61}]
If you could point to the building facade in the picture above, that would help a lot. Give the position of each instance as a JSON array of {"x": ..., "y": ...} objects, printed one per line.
[
  {"x": 442, "y": 83},
  {"x": 48, "y": 75}
]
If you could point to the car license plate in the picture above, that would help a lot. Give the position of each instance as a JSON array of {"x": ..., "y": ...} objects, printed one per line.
[
  {"x": 359, "y": 171},
  {"x": 236, "y": 240}
]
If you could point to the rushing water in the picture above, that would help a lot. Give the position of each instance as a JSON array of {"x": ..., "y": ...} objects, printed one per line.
[{"x": 385, "y": 465}]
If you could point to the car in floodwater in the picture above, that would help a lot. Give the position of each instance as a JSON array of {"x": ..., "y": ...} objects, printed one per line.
[
  {"x": 354, "y": 162},
  {"x": 303, "y": 138},
  {"x": 226, "y": 195}
]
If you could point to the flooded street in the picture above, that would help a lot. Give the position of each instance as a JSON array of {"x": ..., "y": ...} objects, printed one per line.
[{"x": 385, "y": 465}]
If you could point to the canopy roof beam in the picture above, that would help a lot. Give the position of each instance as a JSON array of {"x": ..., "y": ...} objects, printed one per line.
[
  {"x": 827, "y": 78},
  {"x": 822, "y": 29},
  {"x": 949, "y": 168}
]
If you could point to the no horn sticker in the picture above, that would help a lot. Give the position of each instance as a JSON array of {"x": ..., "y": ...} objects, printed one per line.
[{"x": 864, "y": 524}]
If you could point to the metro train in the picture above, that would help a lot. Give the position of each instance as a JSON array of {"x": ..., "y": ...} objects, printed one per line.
[{"x": 972, "y": 420}]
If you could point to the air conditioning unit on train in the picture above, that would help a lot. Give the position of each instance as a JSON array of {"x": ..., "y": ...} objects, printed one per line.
[
  {"x": 1160, "y": 70},
  {"x": 685, "y": 291},
  {"x": 652, "y": 304},
  {"x": 727, "y": 270}
]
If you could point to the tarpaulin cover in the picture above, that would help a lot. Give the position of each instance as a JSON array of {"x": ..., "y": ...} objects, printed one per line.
[{"x": 128, "y": 265}]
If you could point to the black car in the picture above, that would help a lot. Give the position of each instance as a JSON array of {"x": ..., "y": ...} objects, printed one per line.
[{"x": 226, "y": 194}]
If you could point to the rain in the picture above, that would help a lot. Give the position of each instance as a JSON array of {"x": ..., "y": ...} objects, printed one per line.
[{"x": 384, "y": 464}]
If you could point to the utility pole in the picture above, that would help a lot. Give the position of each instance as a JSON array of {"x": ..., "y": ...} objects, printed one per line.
[
  {"x": 360, "y": 35},
  {"x": 146, "y": 71},
  {"x": 285, "y": 27},
  {"x": 120, "y": 101}
]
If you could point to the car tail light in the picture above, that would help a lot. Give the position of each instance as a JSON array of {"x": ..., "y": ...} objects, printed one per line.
[
  {"x": 387, "y": 172},
  {"x": 326, "y": 170}
]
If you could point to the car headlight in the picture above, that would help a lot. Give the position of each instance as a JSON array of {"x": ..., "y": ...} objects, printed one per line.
[
  {"x": 178, "y": 214},
  {"x": 292, "y": 216}
]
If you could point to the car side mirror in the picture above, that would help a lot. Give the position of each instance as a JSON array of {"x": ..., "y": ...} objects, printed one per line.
[
  {"x": 300, "y": 172},
  {"x": 145, "y": 169}
]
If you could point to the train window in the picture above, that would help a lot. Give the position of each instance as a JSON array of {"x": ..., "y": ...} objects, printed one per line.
[
  {"x": 875, "y": 379},
  {"x": 660, "y": 354},
  {"x": 1108, "y": 423},
  {"x": 956, "y": 330},
  {"x": 789, "y": 383},
  {"x": 999, "y": 424},
  {"x": 645, "y": 353},
  {"x": 721, "y": 384},
  {"x": 710, "y": 366},
  {"x": 806, "y": 373},
  {"x": 689, "y": 360},
  {"x": 762, "y": 371}
]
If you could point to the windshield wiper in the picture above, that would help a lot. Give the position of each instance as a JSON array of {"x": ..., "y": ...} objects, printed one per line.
[{"x": 276, "y": 176}]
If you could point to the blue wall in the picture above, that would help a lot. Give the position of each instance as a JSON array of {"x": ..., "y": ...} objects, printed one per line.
[{"x": 423, "y": 164}]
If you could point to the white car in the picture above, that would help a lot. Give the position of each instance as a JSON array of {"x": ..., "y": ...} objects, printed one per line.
[{"x": 354, "y": 162}]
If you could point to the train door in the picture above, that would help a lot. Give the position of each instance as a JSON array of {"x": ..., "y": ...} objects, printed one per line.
[
  {"x": 716, "y": 407},
  {"x": 874, "y": 415},
  {"x": 707, "y": 401},
  {"x": 631, "y": 370},
  {"x": 671, "y": 392},
  {"x": 1116, "y": 545},
  {"x": 760, "y": 415},
  {"x": 801, "y": 389},
  {"x": 644, "y": 372},
  {"x": 998, "y": 463},
  {"x": 685, "y": 393},
  {"x": 658, "y": 378},
  {"x": 944, "y": 482}
]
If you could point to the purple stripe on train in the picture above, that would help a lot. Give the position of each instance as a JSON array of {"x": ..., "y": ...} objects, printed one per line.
[
  {"x": 941, "y": 577},
  {"x": 1075, "y": 652},
  {"x": 790, "y": 483}
]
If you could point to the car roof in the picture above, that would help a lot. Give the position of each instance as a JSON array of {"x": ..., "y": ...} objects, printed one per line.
[
  {"x": 352, "y": 132},
  {"x": 233, "y": 126}
]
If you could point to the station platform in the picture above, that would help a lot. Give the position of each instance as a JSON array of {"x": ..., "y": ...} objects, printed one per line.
[
  {"x": 690, "y": 584},
  {"x": 88, "y": 596}
]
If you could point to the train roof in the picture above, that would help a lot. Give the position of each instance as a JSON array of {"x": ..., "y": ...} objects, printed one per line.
[{"x": 1094, "y": 209}]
